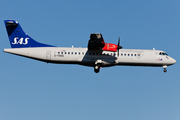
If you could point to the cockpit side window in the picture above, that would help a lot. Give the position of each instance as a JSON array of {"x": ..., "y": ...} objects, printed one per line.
[{"x": 163, "y": 53}]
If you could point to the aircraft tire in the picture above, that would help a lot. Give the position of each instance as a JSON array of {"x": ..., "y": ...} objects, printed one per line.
[
  {"x": 165, "y": 70},
  {"x": 96, "y": 69}
]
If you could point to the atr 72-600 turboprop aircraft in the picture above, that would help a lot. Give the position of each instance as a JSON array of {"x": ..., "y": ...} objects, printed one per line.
[{"x": 98, "y": 54}]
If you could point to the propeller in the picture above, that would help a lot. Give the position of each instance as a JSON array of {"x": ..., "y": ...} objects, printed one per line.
[{"x": 118, "y": 46}]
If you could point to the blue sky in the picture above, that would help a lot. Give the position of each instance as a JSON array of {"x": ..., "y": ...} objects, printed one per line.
[{"x": 36, "y": 90}]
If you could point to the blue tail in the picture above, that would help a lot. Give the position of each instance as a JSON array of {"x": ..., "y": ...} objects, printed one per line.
[{"x": 17, "y": 37}]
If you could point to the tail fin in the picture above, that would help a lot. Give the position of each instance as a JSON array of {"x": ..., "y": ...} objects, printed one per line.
[{"x": 18, "y": 38}]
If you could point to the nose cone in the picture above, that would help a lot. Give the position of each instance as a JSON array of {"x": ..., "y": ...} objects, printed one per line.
[{"x": 173, "y": 61}]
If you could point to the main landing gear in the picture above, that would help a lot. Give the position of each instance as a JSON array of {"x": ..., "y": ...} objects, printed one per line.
[{"x": 97, "y": 68}]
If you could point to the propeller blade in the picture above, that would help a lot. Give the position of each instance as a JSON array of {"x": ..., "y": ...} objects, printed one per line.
[
  {"x": 118, "y": 41},
  {"x": 118, "y": 47}
]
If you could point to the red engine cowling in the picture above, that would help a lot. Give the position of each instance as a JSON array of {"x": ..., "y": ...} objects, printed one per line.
[{"x": 110, "y": 47}]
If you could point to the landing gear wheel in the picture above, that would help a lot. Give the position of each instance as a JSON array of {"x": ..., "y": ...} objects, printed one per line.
[
  {"x": 165, "y": 70},
  {"x": 96, "y": 69}
]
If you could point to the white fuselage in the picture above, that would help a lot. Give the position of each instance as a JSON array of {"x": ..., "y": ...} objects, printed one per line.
[{"x": 83, "y": 56}]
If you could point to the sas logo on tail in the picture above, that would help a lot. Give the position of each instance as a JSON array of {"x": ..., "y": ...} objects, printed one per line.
[{"x": 20, "y": 41}]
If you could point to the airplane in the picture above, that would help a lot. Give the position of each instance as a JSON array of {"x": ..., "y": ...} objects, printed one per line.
[{"x": 98, "y": 54}]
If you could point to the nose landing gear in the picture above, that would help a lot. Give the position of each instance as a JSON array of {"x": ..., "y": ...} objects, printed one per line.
[{"x": 164, "y": 67}]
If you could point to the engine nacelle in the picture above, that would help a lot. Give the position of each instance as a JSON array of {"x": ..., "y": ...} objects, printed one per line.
[{"x": 110, "y": 47}]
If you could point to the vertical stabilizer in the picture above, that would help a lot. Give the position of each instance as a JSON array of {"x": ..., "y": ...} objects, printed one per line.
[{"x": 18, "y": 38}]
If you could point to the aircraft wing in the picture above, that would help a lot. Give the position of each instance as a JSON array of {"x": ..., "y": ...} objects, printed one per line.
[{"x": 96, "y": 42}]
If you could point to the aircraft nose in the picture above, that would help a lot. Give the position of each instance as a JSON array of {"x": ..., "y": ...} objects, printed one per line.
[{"x": 173, "y": 61}]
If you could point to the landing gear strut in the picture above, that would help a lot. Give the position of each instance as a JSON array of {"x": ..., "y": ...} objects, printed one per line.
[
  {"x": 164, "y": 67},
  {"x": 98, "y": 63},
  {"x": 96, "y": 68}
]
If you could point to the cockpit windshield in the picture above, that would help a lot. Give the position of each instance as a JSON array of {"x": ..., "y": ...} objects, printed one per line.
[{"x": 163, "y": 53}]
